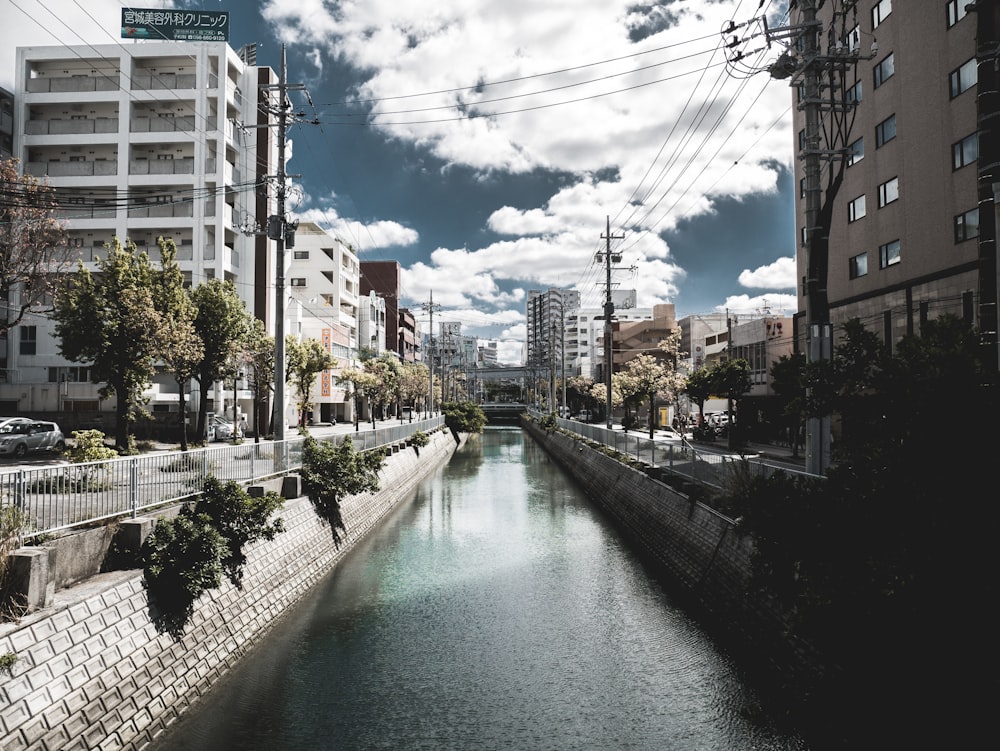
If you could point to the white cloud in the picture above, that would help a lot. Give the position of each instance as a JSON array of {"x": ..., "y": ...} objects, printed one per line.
[
  {"x": 747, "y": 305},
  {"x": 360, "y": 236},
  {"x": 778, "y": 275}
]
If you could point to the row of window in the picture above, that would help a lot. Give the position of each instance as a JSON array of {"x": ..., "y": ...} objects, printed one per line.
[
  {"x": 888, "y": 255},
  {"x": 966, "y": 228}
]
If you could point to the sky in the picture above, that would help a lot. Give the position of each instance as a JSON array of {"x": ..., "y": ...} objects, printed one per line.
[{"x": 488, "y": 147}]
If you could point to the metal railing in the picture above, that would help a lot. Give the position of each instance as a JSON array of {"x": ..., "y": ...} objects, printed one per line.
[
  {"x": 707, "y": 468},
  {"x": 65, "y": 496}
]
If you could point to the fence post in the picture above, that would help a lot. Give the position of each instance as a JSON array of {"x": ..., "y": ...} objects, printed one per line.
[{"x": 133, "y": 485}]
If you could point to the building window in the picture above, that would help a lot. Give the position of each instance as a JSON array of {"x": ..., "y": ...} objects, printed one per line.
[
  {"x": 888, "y": 192},
  {"x": 298, "y": 281},
  {"x": 853, "y": 40},
  {"x": 888, "y": 254},
  {"x": 885, "y": 131},
  {"x": 856, "y": 152},
  {"x": 29, "y": 339},
  {"x": 884, "y": 70},
  {"x": 963, "y": 78},
  {"x": 856, "y": 208},
  {"x": 880, "y": 12},
  {"x": 805, "y": 237},
  {"x": 956, "y": 11},
  {"x": 300, "y": 255},
  {"x": 858, "y": 265},
  {"x": 965, "y": 151},
  {"x": 802, "y": 140},
  {"x": 802, "y": 188},
  {"x": 967, "y": 225},
  {"x": 854, "y": 94}
]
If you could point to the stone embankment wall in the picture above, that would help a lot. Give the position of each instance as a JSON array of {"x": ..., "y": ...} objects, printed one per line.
[
  {"x": 92, "y": 671},
  {"x": 697, "y": 548}
]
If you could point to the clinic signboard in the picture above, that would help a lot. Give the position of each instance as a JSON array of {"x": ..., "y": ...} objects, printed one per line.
[{"x": 175, "y": 25}]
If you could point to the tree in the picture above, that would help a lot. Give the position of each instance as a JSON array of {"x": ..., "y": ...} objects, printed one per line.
[
  {"x": 648, "y": 378},
  {"x": 258, "y": 359},
  {"x": 581, "y": 386},
  {"x": 330, "y": 472},
  {"x": 386, "y": 371},
  {"x": 182, "y": 348},
  {"x": 625, "y": 392},
  {"x": 359, "y": 384},
  {"x": 414, "y": 383},
  {"x": 872, "y": 563},
  {"x": 699, "y": 387},
  {"x": 464, "y": 417},
  {"x": 33, "y": 247},
  {"x": 788, "y": 379},
  {"x": 222, "y": 324},
  {"x": 111, "y": 321},
  {"x": 306, "y": 360},
  {"x": 732, "y": 378}
]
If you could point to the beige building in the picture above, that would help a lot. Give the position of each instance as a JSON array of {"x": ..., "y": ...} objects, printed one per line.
[{"x": 910, "y": 236}]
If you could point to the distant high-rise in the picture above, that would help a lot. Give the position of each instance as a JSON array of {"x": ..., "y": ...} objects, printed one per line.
[{"x": 546, "y": 315}]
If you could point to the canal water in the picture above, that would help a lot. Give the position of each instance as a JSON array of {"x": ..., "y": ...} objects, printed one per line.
[{"x": 497, "y": 610}]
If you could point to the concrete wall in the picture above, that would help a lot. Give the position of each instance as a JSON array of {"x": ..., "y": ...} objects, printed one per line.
[
  {"x": 699, "y": 549},
  {"x": 93, "y": 672}
]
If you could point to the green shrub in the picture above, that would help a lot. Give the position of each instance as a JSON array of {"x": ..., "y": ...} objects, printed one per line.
[
  {"x": 89, "y": 446},
  {"x": 548, "y": 422},
  {"x": 331, "y": 471},
  {"x": 464, "y": 417},
  {"x": 7, "y": 662},
  {"x": 419, "y": 439},
  {"x": 182, "y": 558},
  {"x": 240, "y": 518},
  {"x": 12, "y": 523}
]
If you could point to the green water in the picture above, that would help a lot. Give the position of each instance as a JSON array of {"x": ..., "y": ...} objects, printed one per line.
[{"x": 497, "y": 610}]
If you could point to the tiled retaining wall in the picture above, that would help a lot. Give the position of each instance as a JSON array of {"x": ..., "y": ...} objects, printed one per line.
[
  {"x": 696, "y": 547},
  {"x": 93, "y": 673}
]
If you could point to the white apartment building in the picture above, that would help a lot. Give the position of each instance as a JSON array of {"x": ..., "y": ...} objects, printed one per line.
[
  {"x": 143, "y": 140},
  {"x": 323, "y": 292}
]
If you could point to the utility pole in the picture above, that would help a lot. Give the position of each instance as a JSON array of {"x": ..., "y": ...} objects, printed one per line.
[
  {"x": 429, "y": 307},
  {"x": 609, "y": 311},
  {"x": 283, "y": 233},
  {"x": 824, "y": 81}
]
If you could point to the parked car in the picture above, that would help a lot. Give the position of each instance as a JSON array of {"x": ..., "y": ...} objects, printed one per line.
[
  {"x": 21, "y": 435},
  {"x": 222, "y": 430},
  {"x": 584, "y": 415}
]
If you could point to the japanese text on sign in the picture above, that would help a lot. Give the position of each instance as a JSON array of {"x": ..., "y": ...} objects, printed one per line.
[{"x": 175, "y": 25}]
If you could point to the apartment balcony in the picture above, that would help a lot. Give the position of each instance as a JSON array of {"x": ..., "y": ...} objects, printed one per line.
[
  {"x": 163, "y": 81},
  {"x": 183, "y": 166},
  {"x": 73, "y": 213},
  {"x": 70, "y": 84},
  {"x": 81, "y": 127},
  {"x": 101, "y": 168},
  {"x": 162, "y": 210},
  {"x": 185, "y": 251},
  {"x": 160, "y": 124}
]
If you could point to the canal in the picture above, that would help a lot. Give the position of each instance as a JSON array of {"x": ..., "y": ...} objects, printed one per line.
[{"x": 497, "y": 610}]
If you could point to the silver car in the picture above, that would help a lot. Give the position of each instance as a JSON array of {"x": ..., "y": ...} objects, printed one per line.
[{"x": 21, "y": 435}]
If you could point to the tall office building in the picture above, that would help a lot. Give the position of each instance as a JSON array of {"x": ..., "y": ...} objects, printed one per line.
[
  {"x": 912, "y": 230},
  {"x": 547, "y": 314},
  {"x": 142, "y": 140}
]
